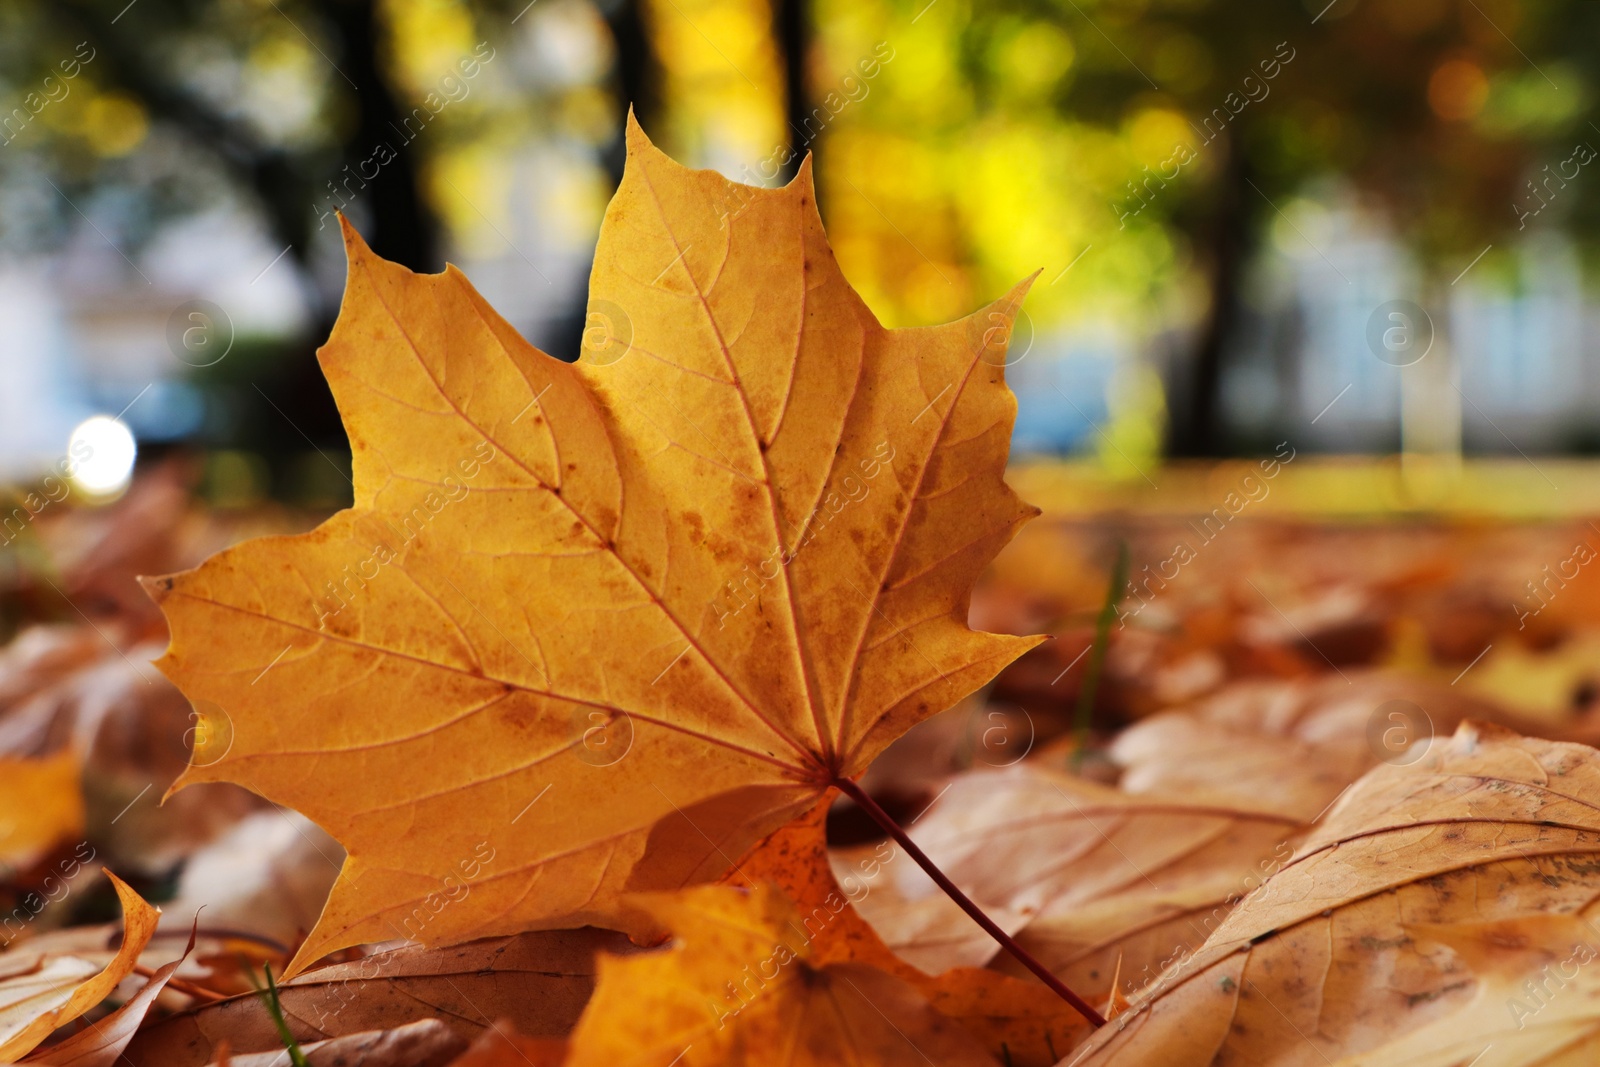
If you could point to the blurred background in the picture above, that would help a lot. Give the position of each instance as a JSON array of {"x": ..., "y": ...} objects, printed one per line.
[
  {"x": 1363, "y": 227},
  {"x": 1321, "y": 266}
]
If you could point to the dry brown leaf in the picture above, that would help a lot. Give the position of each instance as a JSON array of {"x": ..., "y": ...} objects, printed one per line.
[
  {"x": 540, "y": 982},
  {"x": 737, "y": 988},
  {"x": 424, "y": 1043},
  {"x": 1322, "y": 960},
  {"x": 96, "y": 551},
  {"x": 1090, "y": 878},
  {"x": 40, "y": 991},
  {"x": 90, "y": 690},
  {"x": 39, "y": 656},
  {"x": 541, "y": 557}
]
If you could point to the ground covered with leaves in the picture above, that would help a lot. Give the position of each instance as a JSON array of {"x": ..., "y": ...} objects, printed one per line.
[{"x": 627, "y": 714}]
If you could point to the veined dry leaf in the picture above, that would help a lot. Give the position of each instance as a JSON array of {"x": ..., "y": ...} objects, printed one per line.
[
  {"x": 735, "y": 542},
  {"x": 539, "y": 982},
  {"x": 1019, "y": 1020},
  {"x": 1537, "y": 1005},
  {"x": 1324, "y": 959},
  {"x": 737, "y": 988},
  {"x": 41, "y": 804},
  {"x": 1092, "y": 879},
  {"x": 39, "y": 991}
]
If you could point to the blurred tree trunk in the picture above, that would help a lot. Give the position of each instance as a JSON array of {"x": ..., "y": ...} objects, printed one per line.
[
  {"x": 792, "y": 29},
  {"x": 639, "y": 80},
  {"x": 277, "y": 179},
  {"x": 287, "y": 186},
  {"x": 1197, "y": 389},
  {"x": 401, "y": 226},
  {"x": 638, "y": 76}
]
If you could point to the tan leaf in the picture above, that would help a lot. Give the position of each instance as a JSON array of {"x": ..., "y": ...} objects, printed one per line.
[
  {"x": 267, "y": 876},
  {"x": 1087, "y": 878},
  {"x": 1537, "y": 1005},
  {"x": 539, "y": 982},
  {"x": 424, "y": 1043},
  {"x": 1294, "y": 746},
  {"x": 1322, "y": 960}
]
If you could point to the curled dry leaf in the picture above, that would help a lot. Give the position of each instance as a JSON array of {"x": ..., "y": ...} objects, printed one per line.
[
  {"x": 1325, "y": 959},
  {"x": 41, "y": 991},
  {"x": 681, "y": 586},
  {"x": 737, "y": 988},
  {"x": 1019, "y": 1020},
  {"x": 100, "y": 1044},
  {"x": 539, "y": 982}
]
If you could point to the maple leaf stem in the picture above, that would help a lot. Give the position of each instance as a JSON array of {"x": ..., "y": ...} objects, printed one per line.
[{"x": 885, "y": 820}]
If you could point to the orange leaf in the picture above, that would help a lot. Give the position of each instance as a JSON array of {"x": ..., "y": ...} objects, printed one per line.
[
  {"x": 682, "y": 585},
  {"x": 738, "y": 987},
  {"x": 41, "y": 804},
  {"x": 502, "y": 1046},
  {"x": 1019, "y": 1020}
]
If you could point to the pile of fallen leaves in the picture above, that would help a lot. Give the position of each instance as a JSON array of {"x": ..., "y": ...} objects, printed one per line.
[{"x": 535, "y": 755}]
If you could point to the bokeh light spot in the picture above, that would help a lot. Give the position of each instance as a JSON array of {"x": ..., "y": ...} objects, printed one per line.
[{"x": 102, "y": 452}]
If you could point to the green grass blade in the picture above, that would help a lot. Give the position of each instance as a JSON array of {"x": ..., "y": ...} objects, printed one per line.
[
  {"x": 275, "y": 1009},
  {"x": 1097, "y": 652}
]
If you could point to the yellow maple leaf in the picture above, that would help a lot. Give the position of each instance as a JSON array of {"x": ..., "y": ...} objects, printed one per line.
[{"x": 681, "y": 586}]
